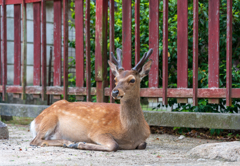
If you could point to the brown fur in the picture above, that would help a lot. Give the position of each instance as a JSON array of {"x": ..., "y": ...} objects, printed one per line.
[{"x": 103, "y": 126}]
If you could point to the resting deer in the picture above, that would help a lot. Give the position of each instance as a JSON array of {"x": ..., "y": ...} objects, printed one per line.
[{"x": 99, "y": 126}]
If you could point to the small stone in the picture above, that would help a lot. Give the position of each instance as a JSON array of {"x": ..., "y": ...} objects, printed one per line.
[
  {"x": 181, "y": 137},
  {"x": 4, "y": 134},
  {"x": 201, "y": 159}
]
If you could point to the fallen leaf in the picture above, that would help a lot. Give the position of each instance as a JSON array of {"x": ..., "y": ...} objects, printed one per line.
[{"x": 193, "y": 131}]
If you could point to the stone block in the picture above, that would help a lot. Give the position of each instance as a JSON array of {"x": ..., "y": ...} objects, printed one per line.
[
  {"x": 227, "y": 151},
  {"x": 3, "y": 131}
]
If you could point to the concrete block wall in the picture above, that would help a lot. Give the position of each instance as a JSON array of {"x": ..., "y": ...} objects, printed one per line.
[{"x": 30, "y": 38}]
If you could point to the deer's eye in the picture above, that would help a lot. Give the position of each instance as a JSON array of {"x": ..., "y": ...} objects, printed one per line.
[{"x": 132, "y": 81}]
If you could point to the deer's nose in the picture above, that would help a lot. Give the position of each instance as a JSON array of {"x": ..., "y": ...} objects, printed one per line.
[{"x": 115, "y": 93}]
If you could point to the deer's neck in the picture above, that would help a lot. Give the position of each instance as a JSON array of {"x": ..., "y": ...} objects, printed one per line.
[{"x": 131, "y": 113}]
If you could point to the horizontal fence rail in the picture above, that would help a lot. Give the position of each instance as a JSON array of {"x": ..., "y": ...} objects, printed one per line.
[{"x": 83, "y": 70}]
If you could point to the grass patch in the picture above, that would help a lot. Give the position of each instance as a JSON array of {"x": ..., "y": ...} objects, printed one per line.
[{"x": 19, "y": 120}]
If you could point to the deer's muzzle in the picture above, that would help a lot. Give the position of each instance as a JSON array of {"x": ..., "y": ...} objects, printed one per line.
[{"x": 117, "y": 94}]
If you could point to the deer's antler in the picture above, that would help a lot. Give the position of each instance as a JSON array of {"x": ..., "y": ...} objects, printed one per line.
[
  {"x": 142, "y": 61},
  {"x": 118, "y": 61}
]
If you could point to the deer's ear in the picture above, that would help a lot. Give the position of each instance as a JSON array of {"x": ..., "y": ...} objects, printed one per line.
[
  {"x": 145, "y": 69},
  {"x": 113, "y": 68}
]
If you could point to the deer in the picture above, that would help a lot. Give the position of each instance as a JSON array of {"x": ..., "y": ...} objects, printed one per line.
[{"x": 99, "y": 126}]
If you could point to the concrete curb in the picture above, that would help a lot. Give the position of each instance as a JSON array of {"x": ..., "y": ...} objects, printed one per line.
[{"x": 154, "y": 118}]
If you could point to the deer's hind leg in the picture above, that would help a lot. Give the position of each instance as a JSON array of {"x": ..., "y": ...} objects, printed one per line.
[
  {"x": 104, "y": 142},
  {"x": 45, "y": 130}
]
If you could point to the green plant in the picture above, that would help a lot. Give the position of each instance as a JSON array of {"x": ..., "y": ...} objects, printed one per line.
[
  {"x": 216, "y": 131},
  {"x": 203, "y": 106}
]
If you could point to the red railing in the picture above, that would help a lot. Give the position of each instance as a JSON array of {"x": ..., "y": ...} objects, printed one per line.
[{"x": 181, "y": 92}]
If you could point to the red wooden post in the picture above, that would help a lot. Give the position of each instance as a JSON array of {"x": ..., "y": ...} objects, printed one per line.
[
  {"x": 57, "y": 6},
  {"x": 154, "y": 43},
  {"x": 79, "y": 45},
  {"x": 24, "y": 50},
  {"x": 165, "y": 51},
  {"x": 195, "y": 52},
  {"x": 57, "y": 75},
  {"x": 37, "y": 43},
  {"x": 44, "y": 54},
  {"x": 101, "y": 48},
  {"x": 0, "y": 53},
  {"x": 229, "y": 53},
  {"x": 17, "y": 45},
  {"x": 49, "y": 74},
  {"x": 213, "y": 46},
  {"x": 111, "y": 44},
  {"x": 88, "y": 58},
  {"x": 137, "y": 31},
  {"x": 126, "y": 34},
  {"x": 4, "y": 51},
  {"x": 65, "y": 49},
  {"x": 182, "y": 46}
]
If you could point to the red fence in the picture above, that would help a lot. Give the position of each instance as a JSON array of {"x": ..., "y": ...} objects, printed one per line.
[{"x": 181, "y": 92}]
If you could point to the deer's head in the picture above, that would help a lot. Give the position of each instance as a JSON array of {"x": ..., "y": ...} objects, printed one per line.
[{"x": 128, "y": 81}]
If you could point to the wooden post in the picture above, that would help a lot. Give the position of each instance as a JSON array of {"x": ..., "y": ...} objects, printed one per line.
[
  {"x": 37, "y": 45},
  {"x": 65, "y": 49},
  {"x": 79, "y": 45},
  {"x": 101, "y": 48},
  {"x": 213, "y": 46},
  {"x": 17, "y": 45},
  {"x": 137, "y": 31},
  {"x": 165, "y": 51},
  {"x": 88, "y": 56},
  {"x": 44, "y": 54},
  {"x": 57, "y": 78},
  {"x": 182, "y": 46},
  {"x": 24, "y": 50},
  {"x": 229, "y": 54},
  {"x": 49, "y": 74},
  {"x": 195, "y": 52},
  {"x": 111, "y": 45},
  {"x": 127, "y": 34},
  {"x": 1, "y": 53},
  {"x": 4, "y": 51},
  {"x": 154, "y": 44}
]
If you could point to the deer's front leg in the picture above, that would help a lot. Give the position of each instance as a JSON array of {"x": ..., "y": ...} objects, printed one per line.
[
  {"x": 142, "y": 146},
  {"x": 103, "y": 143}
]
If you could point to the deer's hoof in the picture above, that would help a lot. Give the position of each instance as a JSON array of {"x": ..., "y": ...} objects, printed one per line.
[{"x": 75, "y": 146}]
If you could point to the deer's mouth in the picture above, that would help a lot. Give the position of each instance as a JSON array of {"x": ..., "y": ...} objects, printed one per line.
[{"x": 118, "y": 97}]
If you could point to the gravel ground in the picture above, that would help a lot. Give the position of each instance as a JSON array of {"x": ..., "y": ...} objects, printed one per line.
[{"x": 162, "y": 149}]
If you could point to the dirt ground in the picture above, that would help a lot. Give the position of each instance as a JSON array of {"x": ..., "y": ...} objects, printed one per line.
[{"x": 162, "y": 149}]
